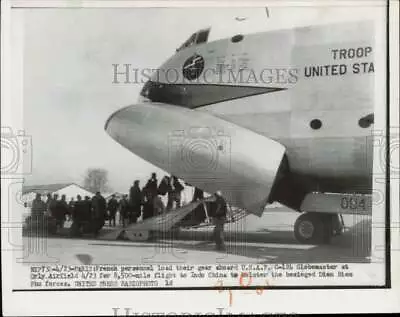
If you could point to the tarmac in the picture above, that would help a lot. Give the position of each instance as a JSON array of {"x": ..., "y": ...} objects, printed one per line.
[{"x": 266, "y": 239}]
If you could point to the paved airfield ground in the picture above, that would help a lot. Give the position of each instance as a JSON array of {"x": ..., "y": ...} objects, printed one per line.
[{"x": 268, "y": 239}]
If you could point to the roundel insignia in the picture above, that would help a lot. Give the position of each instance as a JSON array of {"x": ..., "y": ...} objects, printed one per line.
[{"x": 193, "y": 67}]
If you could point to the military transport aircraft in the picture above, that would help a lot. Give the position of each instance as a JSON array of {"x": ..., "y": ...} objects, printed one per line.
[{"x": 269, "y": 116}]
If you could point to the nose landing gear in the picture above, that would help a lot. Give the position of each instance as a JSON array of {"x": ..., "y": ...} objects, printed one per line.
[{"x": 317, "y": 228}]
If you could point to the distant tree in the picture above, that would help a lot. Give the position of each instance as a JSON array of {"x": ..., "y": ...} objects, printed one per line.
[{"x": 96, "y": 180}]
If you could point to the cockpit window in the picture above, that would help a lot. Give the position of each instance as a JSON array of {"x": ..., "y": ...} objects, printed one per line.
[
  {"x": 202, "y": 36},
  {"x": 189, "y": 42},
  {"x": 196, "y": 38}
]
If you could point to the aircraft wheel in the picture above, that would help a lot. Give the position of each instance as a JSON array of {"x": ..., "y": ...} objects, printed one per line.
[{"x": 312, "y": 228}]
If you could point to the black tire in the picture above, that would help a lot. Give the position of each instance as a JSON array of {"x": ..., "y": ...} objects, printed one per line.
[{"x": 310, "y": 228}]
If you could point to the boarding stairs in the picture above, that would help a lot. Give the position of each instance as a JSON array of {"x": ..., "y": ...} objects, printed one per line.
[{"x": 167, "y": 222}]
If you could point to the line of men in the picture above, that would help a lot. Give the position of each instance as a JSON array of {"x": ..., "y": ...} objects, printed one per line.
[
  {"x": 148, "y": 203},
  {"x": 144, "y": 202},
  {"x": 149, "y": 198},
  {"x": 87, "y": 211}
]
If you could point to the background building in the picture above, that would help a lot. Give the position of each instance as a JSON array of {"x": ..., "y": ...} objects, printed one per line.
[
  {"x": 70, "y": 190},
  {"x": 108, "y": 196}
]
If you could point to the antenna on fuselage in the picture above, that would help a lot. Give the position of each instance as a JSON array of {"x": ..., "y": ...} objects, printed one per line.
[
  {"x": 240, "y": 19},
  {"x": 267, "y": 11},
  {"x": 243, "y": 18}
]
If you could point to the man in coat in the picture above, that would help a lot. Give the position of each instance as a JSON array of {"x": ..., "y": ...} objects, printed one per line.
[
  {"x": 112, "y": 208},
  {"x": 220, "y": 209},
  {"x": 99, "y": 209},
  {"x": 135, "y": 202}
]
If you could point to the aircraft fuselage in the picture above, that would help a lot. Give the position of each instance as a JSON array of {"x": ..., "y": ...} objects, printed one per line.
[{"x": 309, "y": 89}]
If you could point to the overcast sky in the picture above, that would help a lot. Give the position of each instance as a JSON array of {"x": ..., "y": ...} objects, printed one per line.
[
  {"x": 68, "y": 89},
  {"x": 68, "y": 74}
]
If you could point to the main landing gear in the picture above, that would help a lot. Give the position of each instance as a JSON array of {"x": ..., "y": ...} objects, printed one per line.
[{"x": 317, "y": 228}]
